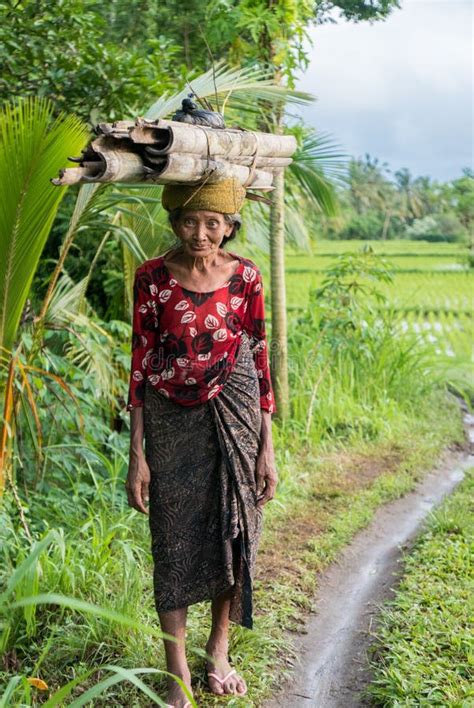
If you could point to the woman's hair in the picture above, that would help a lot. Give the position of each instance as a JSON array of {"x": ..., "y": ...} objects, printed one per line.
[{"x": 234, "y": 219}]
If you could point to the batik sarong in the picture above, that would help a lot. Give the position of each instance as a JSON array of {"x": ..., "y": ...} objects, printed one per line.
[{"x": 204, "y": 520}]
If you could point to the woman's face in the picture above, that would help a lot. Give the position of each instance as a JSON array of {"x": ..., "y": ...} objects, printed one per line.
[{"x": 201, "y": 232}]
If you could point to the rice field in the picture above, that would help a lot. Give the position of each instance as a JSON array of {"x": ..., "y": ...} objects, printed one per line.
[
  {"x": 425, "y": 292},
  {"x": 431, "y": 287},
  {"x": 396, "y": 247}
]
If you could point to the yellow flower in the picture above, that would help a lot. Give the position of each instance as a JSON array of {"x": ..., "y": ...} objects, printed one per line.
[{"x": 38, "y": 683}]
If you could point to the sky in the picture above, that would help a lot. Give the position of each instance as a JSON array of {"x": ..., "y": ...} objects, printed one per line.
[{"x": 400, "y": 90}]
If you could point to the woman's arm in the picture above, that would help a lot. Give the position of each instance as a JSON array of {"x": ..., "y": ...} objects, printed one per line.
[
  {"x": 144, "y": 328},
  {"x": 138, "y": 477},
  {"x": 254, "y": 325},
  {"x": 266, "y": 474},
  {"x": 143, "y": 325}
]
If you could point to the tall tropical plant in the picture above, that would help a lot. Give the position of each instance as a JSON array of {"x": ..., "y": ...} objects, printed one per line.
[
  {"x": 410, "y": 194},
  {"x": 141, "y": 224},
  {"x": 33, "y": 147}
]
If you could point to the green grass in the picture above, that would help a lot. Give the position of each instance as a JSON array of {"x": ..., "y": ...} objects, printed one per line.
[
  {"x": 397, "y": 246},
  {"x": 425, "y": 653}
]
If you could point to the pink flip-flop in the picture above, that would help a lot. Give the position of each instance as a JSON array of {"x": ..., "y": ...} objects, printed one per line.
[{"x": 223, "y": 680}]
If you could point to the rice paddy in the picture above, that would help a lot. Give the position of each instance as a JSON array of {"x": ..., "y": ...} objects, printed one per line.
[{"x": 432, "y": 289}]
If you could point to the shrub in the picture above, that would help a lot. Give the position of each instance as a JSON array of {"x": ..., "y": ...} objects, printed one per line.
[
  {"x": 358, "y": 364},
  {"x": 443, "y": 227}
]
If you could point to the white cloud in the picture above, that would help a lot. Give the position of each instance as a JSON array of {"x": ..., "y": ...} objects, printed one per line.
[{"x": 400, "y": 90}]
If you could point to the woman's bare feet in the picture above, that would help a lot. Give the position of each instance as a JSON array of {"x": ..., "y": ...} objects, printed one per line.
[
  {"x": 220, "y": 666},
  {"x": 176, "y": 696}
]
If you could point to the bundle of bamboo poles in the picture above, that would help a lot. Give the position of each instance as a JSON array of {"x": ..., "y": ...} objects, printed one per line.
[{"x": 166, "y": 151}]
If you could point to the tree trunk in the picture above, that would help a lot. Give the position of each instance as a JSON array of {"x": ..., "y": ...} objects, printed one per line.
[
  {"x": 279, "y": 339},
  {"x": 279, "y": 344},
  {"x": 386, "y": 223}
]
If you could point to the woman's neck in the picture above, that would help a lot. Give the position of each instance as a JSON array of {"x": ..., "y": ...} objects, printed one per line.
[{"x": 202, "y": 264}]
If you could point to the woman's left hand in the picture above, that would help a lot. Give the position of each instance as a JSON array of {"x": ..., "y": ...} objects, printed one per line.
[
  {"x": 266, "y": 474},
  {"x": 267, "y": 477}
]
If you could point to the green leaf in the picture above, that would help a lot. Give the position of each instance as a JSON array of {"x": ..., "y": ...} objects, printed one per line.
[
  {"x": 32, "y": 151},
  {"x": 121, "y": 674},
  {"x": 81, "y": 606},
  {"x": 246, "y": 85},
  {"x": 9, "y": 691},
  {"x": 21, "y": 570}
]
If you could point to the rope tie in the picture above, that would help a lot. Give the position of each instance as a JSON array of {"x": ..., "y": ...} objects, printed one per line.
[{"x": 253, "y": 166}]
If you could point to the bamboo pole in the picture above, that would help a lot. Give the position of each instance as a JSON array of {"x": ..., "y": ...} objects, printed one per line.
[
  {"x": 172, "y": 169},
  {"x": 172, "y": 136},
  {"x": 272, "y": 163},
  {"x": 164, "y": 152},
  {"x": 192, "y": 168}
]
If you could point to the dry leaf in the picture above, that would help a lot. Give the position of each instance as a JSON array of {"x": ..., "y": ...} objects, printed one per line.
[{"x": 38, "y": 683}]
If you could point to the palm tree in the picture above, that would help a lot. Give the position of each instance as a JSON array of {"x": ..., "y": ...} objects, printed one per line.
[
  {"x": 308, "y": 190},
  {"x": 411, "y": 199}
]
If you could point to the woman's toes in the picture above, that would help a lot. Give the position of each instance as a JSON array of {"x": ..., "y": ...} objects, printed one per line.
[
  {"x": 230, "y": 686},
  {"x": 241, "y": 686},
  {"x": 215, "y": 686}
]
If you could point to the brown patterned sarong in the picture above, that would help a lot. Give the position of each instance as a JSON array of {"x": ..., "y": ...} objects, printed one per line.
[{"x": 204, "y": 521}]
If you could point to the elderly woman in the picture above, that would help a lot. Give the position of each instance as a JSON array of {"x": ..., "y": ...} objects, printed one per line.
[{"x": 201, "y": 399}]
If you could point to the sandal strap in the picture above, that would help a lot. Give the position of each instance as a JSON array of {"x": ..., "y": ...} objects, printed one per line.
[{"x": 222, "y": 680}]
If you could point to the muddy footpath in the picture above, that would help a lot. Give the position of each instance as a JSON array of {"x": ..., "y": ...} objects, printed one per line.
[{"x": 333, "y": 652}]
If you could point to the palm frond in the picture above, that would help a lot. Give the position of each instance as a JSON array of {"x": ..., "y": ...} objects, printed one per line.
[
  {"x": 90, "y": 349},
  {"x": 89, "y": 344},
  {"x": 297, "y": 229},
  {"x": 32, "y": 150},
  {"x": 317, "y": 166},
  {"x": 130, "y": 242},
  {"x": 147, "y": 219},
  {"x": 66, "y": 300},
  {"x": 89, "y": 203},
  {"x": 255, "y": 232},
  {"x": 245, "y": 85},
  {"x": 143, "y": 230},
  {"x": 309, "y": 188}
]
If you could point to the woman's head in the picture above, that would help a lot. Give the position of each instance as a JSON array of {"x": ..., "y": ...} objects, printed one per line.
[
  {"x": 202, "y": 231},
  {"x": 204, "y": 216}
]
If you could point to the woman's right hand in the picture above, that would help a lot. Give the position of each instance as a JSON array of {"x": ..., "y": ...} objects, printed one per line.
[{"x": 138, "y": 481}]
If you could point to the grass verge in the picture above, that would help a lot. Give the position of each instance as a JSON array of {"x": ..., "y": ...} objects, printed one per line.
[{"x": 425, "y": 650}]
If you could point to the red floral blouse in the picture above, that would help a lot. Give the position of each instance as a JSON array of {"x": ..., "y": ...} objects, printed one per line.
[{"x": 185, "y": 342}]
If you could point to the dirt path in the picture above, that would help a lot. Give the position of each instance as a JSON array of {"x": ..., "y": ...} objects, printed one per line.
[{"x": 333, "y": 666}]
